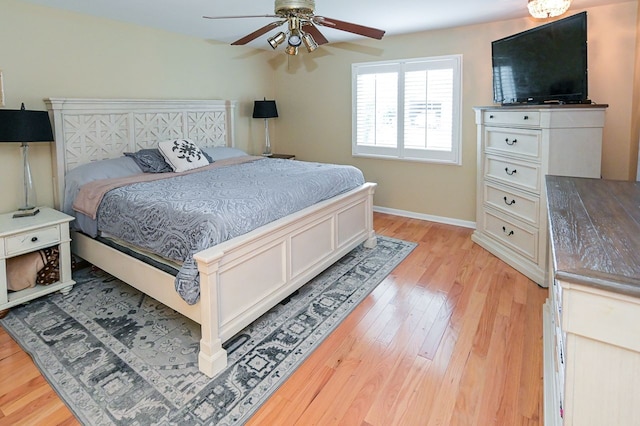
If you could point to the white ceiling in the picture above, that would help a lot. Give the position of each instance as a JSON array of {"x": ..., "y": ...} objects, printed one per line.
[{"x": 396, "y": 16}]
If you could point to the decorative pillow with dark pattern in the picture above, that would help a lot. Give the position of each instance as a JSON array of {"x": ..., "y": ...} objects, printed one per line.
[{"x": 182, "y": 155}]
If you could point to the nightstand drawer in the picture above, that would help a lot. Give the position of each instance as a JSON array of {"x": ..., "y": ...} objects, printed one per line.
[{"x": 32, "y": 240}]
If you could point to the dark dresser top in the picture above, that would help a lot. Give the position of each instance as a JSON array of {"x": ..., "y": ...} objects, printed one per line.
[{"x": 595, "y": 232}]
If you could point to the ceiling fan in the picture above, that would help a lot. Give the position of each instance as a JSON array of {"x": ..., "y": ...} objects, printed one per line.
[{"x": 302, "y": 23}]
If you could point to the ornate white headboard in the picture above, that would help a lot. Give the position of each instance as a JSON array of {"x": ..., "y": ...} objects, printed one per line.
[{"x": 87, "y": 130}]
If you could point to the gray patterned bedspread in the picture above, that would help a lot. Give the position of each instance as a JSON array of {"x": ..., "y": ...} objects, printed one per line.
[{"x": 179, "y": 216}]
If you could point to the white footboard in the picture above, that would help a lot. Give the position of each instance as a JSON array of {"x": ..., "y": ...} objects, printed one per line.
[{"x": 244, "y": 277}]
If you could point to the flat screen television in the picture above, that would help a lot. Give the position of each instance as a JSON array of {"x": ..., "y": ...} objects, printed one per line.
[{"x": 546, "y": 64}]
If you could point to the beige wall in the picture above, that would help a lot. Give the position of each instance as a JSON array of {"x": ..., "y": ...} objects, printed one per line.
[
  {"x": 52, "y": 53},
  {"x": 314, "y": 101},
  {"x": 612, "y": 47},
  {"x": 634, "y": 159},
  {"x": 60, "y": 54}
]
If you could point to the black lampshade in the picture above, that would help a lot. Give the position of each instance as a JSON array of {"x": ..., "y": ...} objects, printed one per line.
[
  {"x": 265, "y": 109},
  {"x": 19, "y": 125}
]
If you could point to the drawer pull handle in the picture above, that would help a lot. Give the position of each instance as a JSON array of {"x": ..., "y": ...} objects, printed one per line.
[
  {"x": 34, "y": 239},
  {"x": 513, "y": 142},
  {"x": 526, "y": 117},
  {"x": 510, "y": 233},
  {"x": 509, "y": 203},
  {"x": 491, "y": 116},
  {"x": 506, "y": 169}
]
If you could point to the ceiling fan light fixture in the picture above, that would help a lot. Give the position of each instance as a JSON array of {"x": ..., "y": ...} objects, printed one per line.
[
  {"x": 309, "y": 42},
  {"x": 291, "y": 50},
  {"x": 294, "y": 35},
  {"x": 277, "y": 40},
  {"x": 542, "y": 9},
  {"x": 295, "y": 40}
]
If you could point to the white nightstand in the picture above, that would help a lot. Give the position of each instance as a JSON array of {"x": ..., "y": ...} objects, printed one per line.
[
  {"x": 28, "y": 234},
  {"x": 284, "y": 156}
]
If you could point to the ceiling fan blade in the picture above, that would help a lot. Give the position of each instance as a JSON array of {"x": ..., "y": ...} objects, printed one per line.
[
  {"x": 315, "y": 33},
  {"x": 349, "y": 27},
  {"x": 244, "y": 16},
  {"x": 257, "y": 33}
]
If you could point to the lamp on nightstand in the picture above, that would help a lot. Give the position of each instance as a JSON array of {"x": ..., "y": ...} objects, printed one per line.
[
  {"x": 25, "y": 126},
  {"x": 265, "y": 109}
]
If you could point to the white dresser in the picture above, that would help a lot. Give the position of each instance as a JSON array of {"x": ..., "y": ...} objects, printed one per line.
[
  {"x": 592, "y": 317},
  {"x": 517, "y": 147}
]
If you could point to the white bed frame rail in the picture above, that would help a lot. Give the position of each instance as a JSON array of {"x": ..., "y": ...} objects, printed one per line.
[{"x": 239, "y": 279}]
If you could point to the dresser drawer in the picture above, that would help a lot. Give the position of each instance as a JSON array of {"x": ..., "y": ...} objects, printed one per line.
[
  {"x": 518, "y": 236},
  {"x": 520, "y": 174},
  {"x": 524, "y": 207},
  {"x": 511, "y": 118},
  {"x": 32, "y": 240},
  {"x": 519, "y": 142}
]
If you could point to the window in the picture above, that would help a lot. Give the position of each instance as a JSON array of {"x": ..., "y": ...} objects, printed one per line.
[{"x": 408, "y": 109}]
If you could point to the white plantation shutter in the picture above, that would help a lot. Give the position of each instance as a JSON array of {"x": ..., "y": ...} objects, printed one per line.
[
  {"x": 377, "y": 106},
  {"x": 408, "y": 109}
]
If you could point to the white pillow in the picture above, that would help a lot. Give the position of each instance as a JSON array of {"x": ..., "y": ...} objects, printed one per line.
[{"x": 182, "y": 155}]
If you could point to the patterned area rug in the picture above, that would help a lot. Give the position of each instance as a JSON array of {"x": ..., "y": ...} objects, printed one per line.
[{"x": 116, "y": 356}]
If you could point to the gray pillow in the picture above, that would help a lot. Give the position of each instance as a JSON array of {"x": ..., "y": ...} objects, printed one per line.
[
  {"x": 103, "y": 169},
  {"x": 150, "y": 160}
]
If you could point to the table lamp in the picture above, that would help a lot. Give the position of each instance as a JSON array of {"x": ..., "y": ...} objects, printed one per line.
[
  {"x": 25, "y": 126},
  {"x": 265, "y": 109}
]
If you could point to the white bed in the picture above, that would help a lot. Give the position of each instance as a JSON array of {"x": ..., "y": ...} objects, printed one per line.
[{"x": 240, "y": 279}]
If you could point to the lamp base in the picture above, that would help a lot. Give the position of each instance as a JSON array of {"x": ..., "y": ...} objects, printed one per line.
[
  {"x": 26, "y": 212},
  {"x": 267, "y": 144}
]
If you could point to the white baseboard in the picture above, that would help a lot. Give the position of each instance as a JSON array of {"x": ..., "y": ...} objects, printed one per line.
[{"x": 431, "y": 218}]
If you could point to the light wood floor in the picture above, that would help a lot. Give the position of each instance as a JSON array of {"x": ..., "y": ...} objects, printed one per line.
[{"x": 452, "y": 337}]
